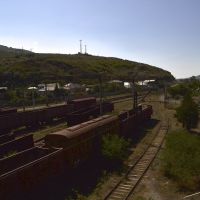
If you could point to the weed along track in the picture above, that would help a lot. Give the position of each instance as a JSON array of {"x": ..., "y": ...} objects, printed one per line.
[{"x": 125, "y": 187}]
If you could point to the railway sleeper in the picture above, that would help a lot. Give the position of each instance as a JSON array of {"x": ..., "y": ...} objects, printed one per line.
[
  {"x": 142, "y": 165},
  {"x": 132, "y": 175},
  {"x": 116, "y": 197},
  {"x": 133, "y": 180},
  {"x": 126, "y": 187}
]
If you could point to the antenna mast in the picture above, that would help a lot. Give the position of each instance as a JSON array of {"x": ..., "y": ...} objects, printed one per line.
[{"x": 80, "y": 46}]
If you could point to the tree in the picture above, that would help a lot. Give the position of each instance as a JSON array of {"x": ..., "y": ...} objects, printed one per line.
[
  {"x": 179, "y": 90},
  {"x": 187, "y": 113}
]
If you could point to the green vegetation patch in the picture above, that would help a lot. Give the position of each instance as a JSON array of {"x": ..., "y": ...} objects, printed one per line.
[
  {"x": 187, "y": 113},
  {"x": 191, "y": 86},
  {"x": 181, "y": 159},
  {"x": 114, "y": 148}
]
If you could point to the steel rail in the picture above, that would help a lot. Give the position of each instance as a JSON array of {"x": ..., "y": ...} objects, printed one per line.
[{"x": 125, "y": 187}]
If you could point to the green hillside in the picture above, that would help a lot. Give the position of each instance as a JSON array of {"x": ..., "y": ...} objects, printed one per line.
[
  {"x": 20, "y": 68},
  {"x": 7, "y": 51}
]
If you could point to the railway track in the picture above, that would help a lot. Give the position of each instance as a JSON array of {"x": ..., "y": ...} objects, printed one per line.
[
  {"x": 125, "y": 187},
  {"x": 122, "y": 100},
  {"x": 140, "y": 99}
]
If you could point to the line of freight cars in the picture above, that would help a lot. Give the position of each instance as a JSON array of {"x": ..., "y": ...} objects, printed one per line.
[
  {"x": 63, "y": 150},
  {"x": 78, "y": 109},
  {"x": 9, "y": 143}
]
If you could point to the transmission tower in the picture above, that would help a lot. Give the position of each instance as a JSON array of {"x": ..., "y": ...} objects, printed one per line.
[{"x": 81, "y": 46}]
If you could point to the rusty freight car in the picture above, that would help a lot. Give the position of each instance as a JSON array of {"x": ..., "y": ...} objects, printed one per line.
[
  {"x": 11, "y": 119},
  {"x": 25, "y": 170},
  {"x": 82, "y": 141},
  {"x": 64, "y": 150}
]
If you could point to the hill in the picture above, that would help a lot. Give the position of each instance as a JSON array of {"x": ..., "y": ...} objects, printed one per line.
[
  {"x": 197, "y": 77},
  {"x": 189, "y": 78},
  {"x": 9, "y": 50},
  {"x": 27, "y": 68}
]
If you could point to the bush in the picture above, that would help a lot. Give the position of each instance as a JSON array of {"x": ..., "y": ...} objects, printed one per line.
[
  {"x": 181, "y": 159},
  {"x": 187, "y": 113},
  {"x": 179, "y": 90},
  {"x": 114, "y": 148}
]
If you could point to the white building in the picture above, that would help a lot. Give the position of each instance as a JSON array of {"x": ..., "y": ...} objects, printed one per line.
[
  {"x": 72, "y": 86},
  {"x": 127, "y": 85},
  {"x": 48, "y": 87},
  {"x": 145, "y": 82}
]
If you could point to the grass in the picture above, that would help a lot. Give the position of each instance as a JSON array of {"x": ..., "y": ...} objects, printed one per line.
[
  {"x": 181, "y": 159},
  {"x": 123, "y": 105}
]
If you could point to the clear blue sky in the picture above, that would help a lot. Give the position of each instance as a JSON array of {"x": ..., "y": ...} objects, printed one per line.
[{"x": 164, "y": 33}]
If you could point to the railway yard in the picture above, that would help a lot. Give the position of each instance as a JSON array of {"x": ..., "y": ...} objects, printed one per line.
[
  {"x": 100, "y": 100},
  {"x": 120, "y": 186},
  {"x": 29, "y": 151}
]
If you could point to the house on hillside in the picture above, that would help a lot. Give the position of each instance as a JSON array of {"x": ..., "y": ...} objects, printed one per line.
[
  {"x": 116, "y": 81},
  {"x": 145, "y": 82},
  {"x": 48, "y": 87},
  {"x": 3, "y": 91},
  {"x": 127, "y": 85},
  {"x": 73, "y": 86}
]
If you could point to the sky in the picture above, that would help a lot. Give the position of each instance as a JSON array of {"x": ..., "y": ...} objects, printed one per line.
[{"x": 163, "y": 33}]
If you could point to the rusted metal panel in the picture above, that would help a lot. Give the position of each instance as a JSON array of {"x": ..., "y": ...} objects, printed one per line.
[
  {"x": 16, "y": 145},
  {"x": 27, "y": 169},
  {"x": 64, "y": 136},
  {"x": 32, "y": 118}
]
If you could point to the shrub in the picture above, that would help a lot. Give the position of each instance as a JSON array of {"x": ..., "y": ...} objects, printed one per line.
[
  {"x": 179, "y": 90},
  {"x": 187, "y": 113},
  {"x": 181, "y": 159},
  {"x": 114, "y": 148}
]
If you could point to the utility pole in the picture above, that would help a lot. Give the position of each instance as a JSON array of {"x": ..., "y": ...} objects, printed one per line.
[
  {"x": 24, "y": 96},
  {"x": 46, "y": 94},
  {"x": 33, "y": 98},
  {"x": 100, "y": 94},
  {"x": 165, "y": 95},
  {"x": 134, "y": 95},
  {"x": 22, "y": 50}
]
